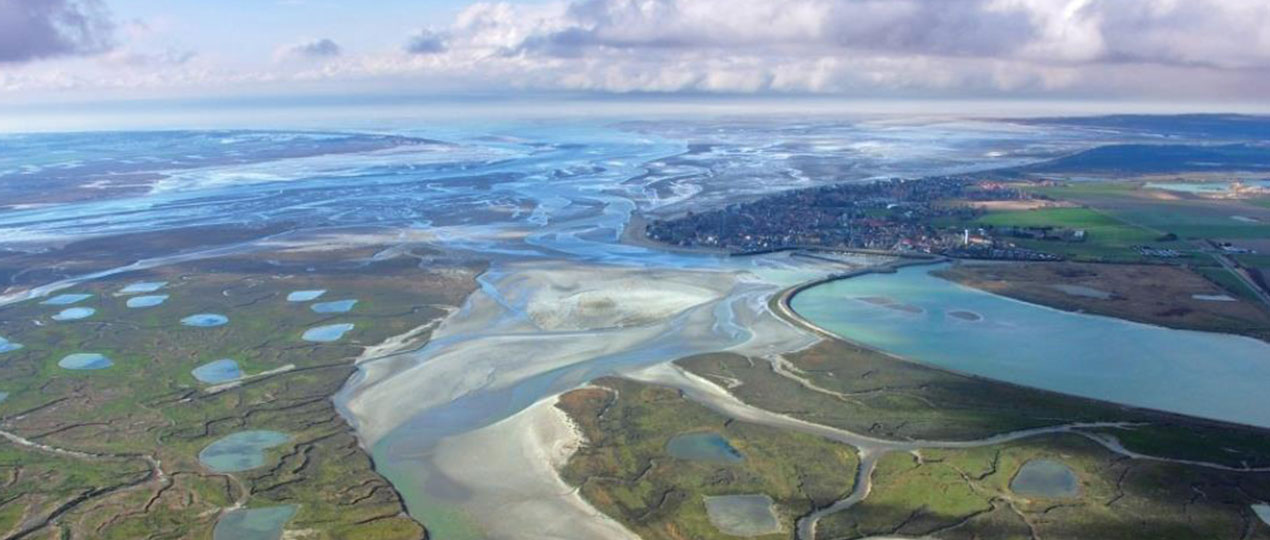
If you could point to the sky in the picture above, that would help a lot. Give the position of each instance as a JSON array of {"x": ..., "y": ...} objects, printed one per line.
[{"x": 1185, "y": 51}]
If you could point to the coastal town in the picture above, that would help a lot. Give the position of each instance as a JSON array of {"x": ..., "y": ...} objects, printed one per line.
[{"x": 896, "y": 215}]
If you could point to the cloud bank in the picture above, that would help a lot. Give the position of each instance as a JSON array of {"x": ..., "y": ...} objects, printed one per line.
[
  {"x": 33, "y": 29},
  {"x": 1203, "y": 49}
]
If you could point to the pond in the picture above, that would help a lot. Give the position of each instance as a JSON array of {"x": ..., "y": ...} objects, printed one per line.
[
  {"x": 8, "y": 346},
  {"x": 146, "y": 301},
  {"x": 305, "y": 296},
  {"x": 66, "y": 299},
  {"x": 85, "y": 361},
  {"x": 708, "y": 446},
  {"x": 254, "y": 523},
  {"x": 1263, "y": 512},
  {"x": 743, "y": 515},
  {"x": 217, "y": 371},
  {"x": 205, "y": 320},
  {"x": 1221, "y": 376},
  {"x": 1045, "y": 478},
  {"x": 74, "y": 314},
  {"x": 143, "y": 287},
  {"x": 240, "y": 451},
  {"x": 339, "y": 306},
  {"x": 330, "y": 332}
]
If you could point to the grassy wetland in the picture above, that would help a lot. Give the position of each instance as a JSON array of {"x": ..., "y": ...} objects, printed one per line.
[{"x": 114, "y": 452}]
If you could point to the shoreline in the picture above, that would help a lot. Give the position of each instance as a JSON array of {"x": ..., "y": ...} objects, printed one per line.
[{"x": 785, "y": 311}]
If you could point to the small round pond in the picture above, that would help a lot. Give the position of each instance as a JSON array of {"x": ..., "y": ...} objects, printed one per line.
[
  {"x": 218, "y": 371},
  {"x": 205, "y": 320},
  {"x": 85, "y": 361},
  {"x": 743, "y": 515},
  {"x": 253, "y": 523},
  {"x": 240, "y": 451},
  {"x": 66, "y": 299},
  {"x": 143, "y": 287},
  {"x": 1045, "y": 478},
  {"x": 330, "y": 332},
  {"x": 8, "y": 346},
  {"x": 706, "y": 446},
  {"x": 305, "y": 296},
  {"x": 146, "y": 301},
  {"x": 74, "y": 314},
  {"x": 338, "y": 306}
]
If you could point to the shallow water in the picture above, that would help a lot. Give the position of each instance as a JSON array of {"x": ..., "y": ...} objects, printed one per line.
[
  {"x": 143, "y": 287},
  {"x": 217, "y": 371},
  {"x": 85, "y": 361},
  {"x": 330, "y": 332},
  {"x": 146, "y": 301},
  {"x": 305, "y": 296},
  {"x": 73, "y": 314},
  {"x": 743, "y": 515},
  {"x": 254, "y": 523},
  {"x": 1045, "y": 478},
  {"x": 205, "y": 320},
  {"x": 1263, "y": 512},
  {"x": 8, "y": 346},
  {"x": 240, "y": 451},
  {"x": 1086, "y": 355},
  {"x": 66, "y": 299},
  {"x": 3, "y": 396},
  {"x": 707, "y": 446},
  {"x": 338, "y": 306}
]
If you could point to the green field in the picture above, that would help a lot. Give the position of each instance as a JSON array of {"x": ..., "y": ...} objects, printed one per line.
[
  {"x": 1189, "y": 218},
  {"x": 1107, "y": 238},
  {"x": 1226, "y": 280}
]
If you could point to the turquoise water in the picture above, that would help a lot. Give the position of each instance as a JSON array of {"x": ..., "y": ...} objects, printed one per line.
[
  {"x": 3, "y": 396},
  {"x": 66, "y": 299},
  {"x": 8, "y": 346},
  {"x": 330, "y": 332},
  {"x": 254, "y": 523},
  {"x": 205, "y": 320},
  {"x": 143, "y": 287},
  {"x": 742, "y": 515},
  {"x": 305, "y": 296},
  {"x": 1202, "y": 374},
  {"x": 707, "y": 446},
  {"x": 339, "y": 306},
  {"x": 146, "y": 301},
  {"x": 240, "y": 451},
  {"x": 85, "y": 361},
  {"x": 1045, "y": 478},
  {"x": 75, "y": 313},
  {"x": 217, "y": 371}
]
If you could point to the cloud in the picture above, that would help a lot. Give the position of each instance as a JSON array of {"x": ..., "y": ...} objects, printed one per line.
[
  {"x": 317, "y": 48},
  {"x": 426, "y": 42},
  {"x": 34, "y": 29}
]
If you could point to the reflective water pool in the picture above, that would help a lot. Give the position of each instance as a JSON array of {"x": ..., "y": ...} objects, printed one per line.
[
  {"x": 205, "y": 320},
  {"x": 85, "y": 361},
  {"x": 743, "y": 515},
  {"x": 240, "y": 451},
  {"x": 146, "y": 301},
  {"x": 305, "y": 296},
  {"x": 7, "y": 346},
  {"x": 330, "y": 332},
  {"x": 143, "y": 287},
  {"x": 66, "y": 299},
  {"x": 72, "y": 314},
  {"x": 254, "y": 523},
  {"x": 1202, "y": 374},
  {"x": 217, "y": 371},
  {"x": 338, "y": 306},
  {"x": 708, "y": 446},
  {"x": 1045, "y": 478}
]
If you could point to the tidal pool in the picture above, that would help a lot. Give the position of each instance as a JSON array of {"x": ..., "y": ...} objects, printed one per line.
[
  {"x": 1045, "y": 478},
  {"x": 75, "y": 313},
  {"x": 1196, "y": 373},
  {"x": 253, "y": 523},
  {"x": 66, "y": 299},
  {"x": 240, "y": 451},
  {"x": 708, "y": 446},
  {"x": 146, "y": 301},
  {"x": 205, "y": 320},
  {"x": 305, "y": 296},
  {"x": 1263, "y": 512},
  {"x": 330, "y": 332},
  {"x": 217, "y": 371},
  {"x": 743, "y": 515},
  {"x": 338, "y": 306},
  {"x": 8, "y": 346},
  {"x": 85, "y": 361},
  {"x": 143, "y": 287}
]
